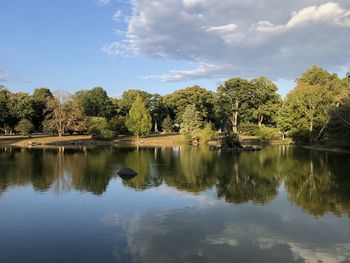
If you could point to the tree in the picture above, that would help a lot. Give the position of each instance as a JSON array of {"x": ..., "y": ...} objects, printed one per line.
[
  {"x": 21, "y": 106},
  {"x": 128, "y": 98},
  {"x": 40, "y": 97},
  {"x": 4, "y": 111},
  {"x": 96, "y": 103},
  {"x": 167, "y": 124},
  {"x": 309, "y": 106},
  {"x": 24, "y": 126},
  {"x": 56, "y": 113},
  {"x": 267, "y": 102},
  {"x": 191, "y": 122},
  {"x": 204, "y": 101},
  {"x": 76, "y": 119},
  {"x": 139, "y": 120},
  {"x": 234, "y": 98}
]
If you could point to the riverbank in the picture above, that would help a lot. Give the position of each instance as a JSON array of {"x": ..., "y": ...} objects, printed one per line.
[{"x": 124, "y": 140}]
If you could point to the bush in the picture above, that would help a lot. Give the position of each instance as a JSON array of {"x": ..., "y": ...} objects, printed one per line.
[
  {"x": 248, "y": 128},
  {"x": 117, "y": 125},
  {"x": 208, "y": 132},
  {"x": 167, "y": 124},
  {"x": 99, "y": 130},
  {"x": 299, "y": 135},
  {"x": 268, "y": 133},
  {"x": 24, "y": 126}
]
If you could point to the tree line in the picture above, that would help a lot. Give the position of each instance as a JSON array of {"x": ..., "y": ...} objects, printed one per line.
[{"x": 317, "y": 107}]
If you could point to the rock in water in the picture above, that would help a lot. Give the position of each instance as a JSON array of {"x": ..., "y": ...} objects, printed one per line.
[{"x": 127, "y": 173}]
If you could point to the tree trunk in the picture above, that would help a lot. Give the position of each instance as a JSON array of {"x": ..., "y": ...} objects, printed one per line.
[
  {"x": 261, "y": 119},
  {"x": 235, "y": 119},
  {"x": 155, "y": 126}
]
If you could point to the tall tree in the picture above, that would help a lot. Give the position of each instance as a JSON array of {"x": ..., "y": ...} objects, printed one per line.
[
  {"x": 76, "y": 119},
  {"x": 4, "y": 111},
  {"x": 191, "y": 121},
  {"x": 139, "y": 120},
  {"x": 96, "y": 103},
  {"x": 56, "y": 113},
  {"x": 40, "y": 97},
  {"x": 234, "y": 98},
  {"x": 310, "y": 105},
  {"x": 204, "y": 101},
  {"x": 267, "y": 101}
]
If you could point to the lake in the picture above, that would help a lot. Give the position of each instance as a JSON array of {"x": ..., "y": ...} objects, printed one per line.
[{"x": 187, "y": 204}]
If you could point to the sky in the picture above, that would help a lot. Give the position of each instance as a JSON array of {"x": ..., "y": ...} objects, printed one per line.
[{"x": 164, "y": 45}]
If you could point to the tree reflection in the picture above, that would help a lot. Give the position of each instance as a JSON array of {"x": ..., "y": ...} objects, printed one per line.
[
  {"x": 250, "y": 177},
  {"x": 319, "y": 182}
]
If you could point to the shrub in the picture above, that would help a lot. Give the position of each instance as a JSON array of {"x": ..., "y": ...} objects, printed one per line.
[
  {"x": 99, "y": 130},
  {"x": 208, "y": 132},
  {"x": 248, "y": 128},
  {"x": 268, "y": 133},
  {"x": 24, "y": 126},
  {"x": 167, "y": 124}
]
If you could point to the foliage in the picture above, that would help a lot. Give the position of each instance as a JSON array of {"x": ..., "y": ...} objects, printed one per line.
[
  {"x": 248, "y": 128},
  {"x": 203, "y": 100},
  {"x": 208, "y": 132},
  {"x": 24, "y": 126},
  {"x": 167, "y": 124},
  {"x": 118, "y": 125},
  {"x": 99, "y": 130},
  {"x": 95, "y": 102},
  {"x": 266, "y": 103},
  {"x": 139, "y": 121},
  {"x": 191, "y": 122},
  {"x": 234, "y": 96},
  {"x": 76, "y": 119},
  {"x": 268, "y": 133}
]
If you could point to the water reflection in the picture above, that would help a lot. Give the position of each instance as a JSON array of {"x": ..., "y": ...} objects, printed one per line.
[{"x": 318, "y": 182}]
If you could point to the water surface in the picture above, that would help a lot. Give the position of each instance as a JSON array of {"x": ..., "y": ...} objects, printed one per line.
[{"x": 187, "y": 204}]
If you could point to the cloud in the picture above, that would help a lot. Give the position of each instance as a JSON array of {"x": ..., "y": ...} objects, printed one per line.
[
  {"x": 275, "y": 38},
  {"x": 103, "y": 2},
  {"x": 222, "y": 29}
]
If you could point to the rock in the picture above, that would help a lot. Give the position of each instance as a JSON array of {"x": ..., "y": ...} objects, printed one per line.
[{"x": 127, "y": 173}]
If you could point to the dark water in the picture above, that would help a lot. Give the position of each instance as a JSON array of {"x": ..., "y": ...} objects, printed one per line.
[{"x": 283, "y": 204}]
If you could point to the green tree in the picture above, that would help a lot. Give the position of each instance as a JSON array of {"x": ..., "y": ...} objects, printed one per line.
[
  {"x": 191, "y": 122},
  {"x": 266, "y": 103},
  {"x": 234, "y": 98},
  {"x": 40, "y": 97},
  {"x": 204, "y": 101},
  {"x": 21, "y": 106},
  {"x": 96, "y": 103},
  {"x": 139, "y": 121},
  {"x": 128, "y": 98},
  {"x": 167, "y": 124},
  {"x": 4, "y": 111},
  {"x": 24, "y": 126},
  {"x": 309, "y": 106},
  {"x": 208, "y": 132}
]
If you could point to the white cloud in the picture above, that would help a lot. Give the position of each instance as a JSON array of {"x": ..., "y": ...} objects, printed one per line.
[
  {"x": 222, "y": 29},
  {"x": 103, "y": 2},
  {"x": 116, "y": 49},
  {"x": 118, "y": 15},
  {"x": 275, "y": 38}
]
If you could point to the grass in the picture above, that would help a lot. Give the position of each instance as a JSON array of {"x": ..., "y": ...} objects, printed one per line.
[{"x": 40, "y": 139}]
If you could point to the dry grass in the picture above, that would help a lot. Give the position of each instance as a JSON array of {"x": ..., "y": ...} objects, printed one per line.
[
  {"x": 152, "y": 140},
  {"x": 46, "y": 140}
]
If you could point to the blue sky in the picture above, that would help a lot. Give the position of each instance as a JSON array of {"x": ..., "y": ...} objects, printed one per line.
[{"x": 161, "y": 46}]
